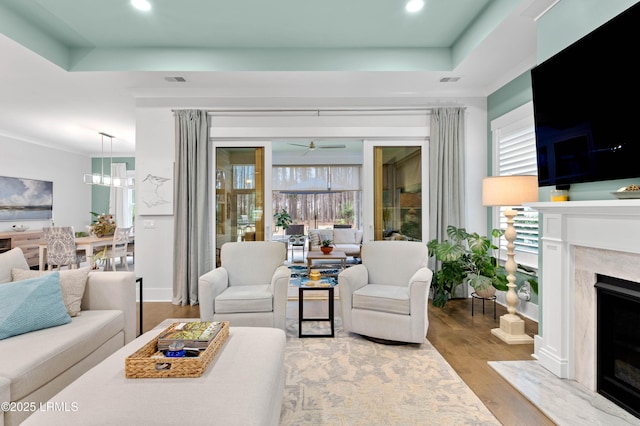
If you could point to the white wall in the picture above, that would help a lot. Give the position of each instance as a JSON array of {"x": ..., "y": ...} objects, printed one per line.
[
  {"x": 71, "y": 197},
  {"x": 155, "y": 142},
  {"x": 155, "y": 136}
]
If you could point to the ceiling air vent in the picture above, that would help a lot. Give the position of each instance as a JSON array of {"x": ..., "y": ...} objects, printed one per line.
[
  {"x": 176, "y": 79},
  {"x": 449, "y": 79}
]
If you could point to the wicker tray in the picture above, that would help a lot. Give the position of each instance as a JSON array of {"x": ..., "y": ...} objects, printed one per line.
[{"x": 148, "y": 362}]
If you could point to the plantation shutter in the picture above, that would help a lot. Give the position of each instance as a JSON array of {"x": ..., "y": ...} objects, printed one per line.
[{"x": 515, "y": 147}]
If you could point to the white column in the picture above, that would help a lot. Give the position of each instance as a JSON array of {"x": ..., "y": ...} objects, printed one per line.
[{"x": 553, "y": 344}]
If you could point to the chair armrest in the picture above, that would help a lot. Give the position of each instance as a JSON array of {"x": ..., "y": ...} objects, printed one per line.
[
  {"x": 113, "y": 291},
  {"x": 210, "y": 285},
  {"x": 349, "y": 281},
  {"x": 280, "y": 288},
  {"x": 353, "y": 278},
  {"x": 419, "y": 289}
]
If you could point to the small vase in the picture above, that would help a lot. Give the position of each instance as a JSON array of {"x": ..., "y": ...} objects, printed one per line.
[{"x": 326, "y": 250}]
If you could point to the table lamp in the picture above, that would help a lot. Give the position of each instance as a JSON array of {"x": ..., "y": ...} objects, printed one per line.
[{"x": 509, "y": 191}]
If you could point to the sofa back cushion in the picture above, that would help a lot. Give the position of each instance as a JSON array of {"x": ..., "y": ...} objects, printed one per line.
[
  {"x": 11, "y": 259},
  {"x": 252, "y": 262},
  {"x": 344, "y": 236},
  {"x": 393, "y": 262},
  {"x": 31, "y": 305}
]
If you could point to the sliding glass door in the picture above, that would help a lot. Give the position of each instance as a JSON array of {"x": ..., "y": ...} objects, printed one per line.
[
  {"x": 397, "y": 171},
  {"x": 241, "y": 173}
]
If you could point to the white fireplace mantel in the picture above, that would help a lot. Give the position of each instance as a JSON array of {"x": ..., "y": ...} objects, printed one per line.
[{"x": 606, "y": 224}]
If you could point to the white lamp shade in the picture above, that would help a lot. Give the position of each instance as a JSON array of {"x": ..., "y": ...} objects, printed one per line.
[{"x": 509, "y": 190}]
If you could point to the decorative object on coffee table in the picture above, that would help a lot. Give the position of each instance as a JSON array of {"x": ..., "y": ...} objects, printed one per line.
[
  {"x": 148, "y": 362},
  {"x": 326, "y": 246},
  {"x": 314, "y": 275}
]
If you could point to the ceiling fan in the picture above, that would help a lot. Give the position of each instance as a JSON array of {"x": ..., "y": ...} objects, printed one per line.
[{"x": 312, "y": 146}]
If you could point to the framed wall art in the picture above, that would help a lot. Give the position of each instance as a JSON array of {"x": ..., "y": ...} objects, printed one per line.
[
  {"x": 156, "y": 188},
  {"x": 25, "y": 199}
]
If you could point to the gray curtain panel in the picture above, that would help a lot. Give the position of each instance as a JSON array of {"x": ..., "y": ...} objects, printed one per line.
[
  {"x": 446, "y": 174},
  {"x": 192, "y": 253}
]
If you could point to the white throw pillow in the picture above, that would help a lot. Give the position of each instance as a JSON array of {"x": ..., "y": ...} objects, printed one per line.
[
  {"x": 344, "y": 236},
  {"x": 72, "y": 283},
  {"x": 314, "y": 236},
  {"x": 325, "y": 234},
  {"x": 13, "y": 258}
]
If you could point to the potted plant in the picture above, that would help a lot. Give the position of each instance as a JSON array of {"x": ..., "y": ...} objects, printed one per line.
[
  {"x": 466, "y": 257},
  {"x": 283, "y": 219},
  {"x": 103, "y": 225},
  {"x": 326, "y": 247}
]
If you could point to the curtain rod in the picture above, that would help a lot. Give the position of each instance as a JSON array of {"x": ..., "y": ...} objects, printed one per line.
[{"x": 315, "y": 111}]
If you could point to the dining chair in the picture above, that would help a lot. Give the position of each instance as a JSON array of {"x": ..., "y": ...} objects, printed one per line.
[
  {"x": 118, "y": 249},
  {"x": 296, "y": 238},
  {"x": 61, "y": 247}
]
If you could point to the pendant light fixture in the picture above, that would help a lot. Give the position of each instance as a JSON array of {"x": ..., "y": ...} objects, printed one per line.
[{"x": 102, "y": 179}]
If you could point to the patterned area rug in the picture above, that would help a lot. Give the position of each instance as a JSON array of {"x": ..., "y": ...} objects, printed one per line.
[
  {"x": 299, "y": 274},
  {"x": 348, "y": 380}
]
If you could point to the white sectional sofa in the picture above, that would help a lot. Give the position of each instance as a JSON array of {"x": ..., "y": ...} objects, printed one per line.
[
  {"x": 36, "y": 365},
  {"x": 347, "y": 240}
]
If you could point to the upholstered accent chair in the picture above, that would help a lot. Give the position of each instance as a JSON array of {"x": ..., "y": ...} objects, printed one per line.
[
  {"x": 386, "y": 296},
  {"x": 250, "y": 286},
  {"x": 61, "y": 247}
]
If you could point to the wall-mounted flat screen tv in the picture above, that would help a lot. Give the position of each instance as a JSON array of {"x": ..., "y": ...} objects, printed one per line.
[
  {"x": 25, "y": 199},
  {"x": 586, "y": 124}
]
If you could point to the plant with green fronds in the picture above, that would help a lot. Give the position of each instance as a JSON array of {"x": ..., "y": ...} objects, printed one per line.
[
  {"x": 465, "y": 257},
  {"x": 326, "y": 243}
]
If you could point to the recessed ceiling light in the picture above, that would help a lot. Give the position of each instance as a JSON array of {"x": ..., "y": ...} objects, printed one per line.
[
  {"x": 414, "y": 6},
  {"x": 141, "y": 5}
]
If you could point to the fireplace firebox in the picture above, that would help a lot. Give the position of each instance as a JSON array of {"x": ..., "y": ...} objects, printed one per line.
[{"x": 618, "y": 342}]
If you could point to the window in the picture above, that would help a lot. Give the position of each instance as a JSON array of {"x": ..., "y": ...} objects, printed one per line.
[
  {"x": 318, "y": 196},
  {"x": 514, "y": 153}
]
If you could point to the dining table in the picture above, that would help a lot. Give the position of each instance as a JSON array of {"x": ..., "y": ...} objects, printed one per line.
[{"x": 87, "y": 244}]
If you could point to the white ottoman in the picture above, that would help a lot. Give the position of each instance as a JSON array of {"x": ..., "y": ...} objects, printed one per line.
[{"x": 244, "y": 385}]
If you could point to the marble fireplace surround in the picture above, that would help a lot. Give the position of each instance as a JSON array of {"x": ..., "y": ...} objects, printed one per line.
[{"x": 579, "y": 240}]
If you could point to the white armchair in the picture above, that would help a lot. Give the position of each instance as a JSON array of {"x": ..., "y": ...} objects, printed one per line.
[
  {"x": 386, "y": 296},
  {"x": 249, "y": 288}
]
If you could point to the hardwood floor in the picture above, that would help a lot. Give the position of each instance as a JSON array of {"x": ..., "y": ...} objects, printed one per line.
[
  {"x": 467, "y": 344},
  {"x": 464, "y": 341}
]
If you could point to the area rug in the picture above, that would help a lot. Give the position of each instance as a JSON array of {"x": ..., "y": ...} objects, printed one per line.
[{"x": 348, "y": 380}]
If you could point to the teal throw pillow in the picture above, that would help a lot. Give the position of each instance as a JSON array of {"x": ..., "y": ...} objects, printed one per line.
[{"x": 30, "y": 305}]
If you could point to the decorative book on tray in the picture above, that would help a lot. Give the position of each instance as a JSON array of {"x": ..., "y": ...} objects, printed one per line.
[{"x": 195, "y": 335}]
